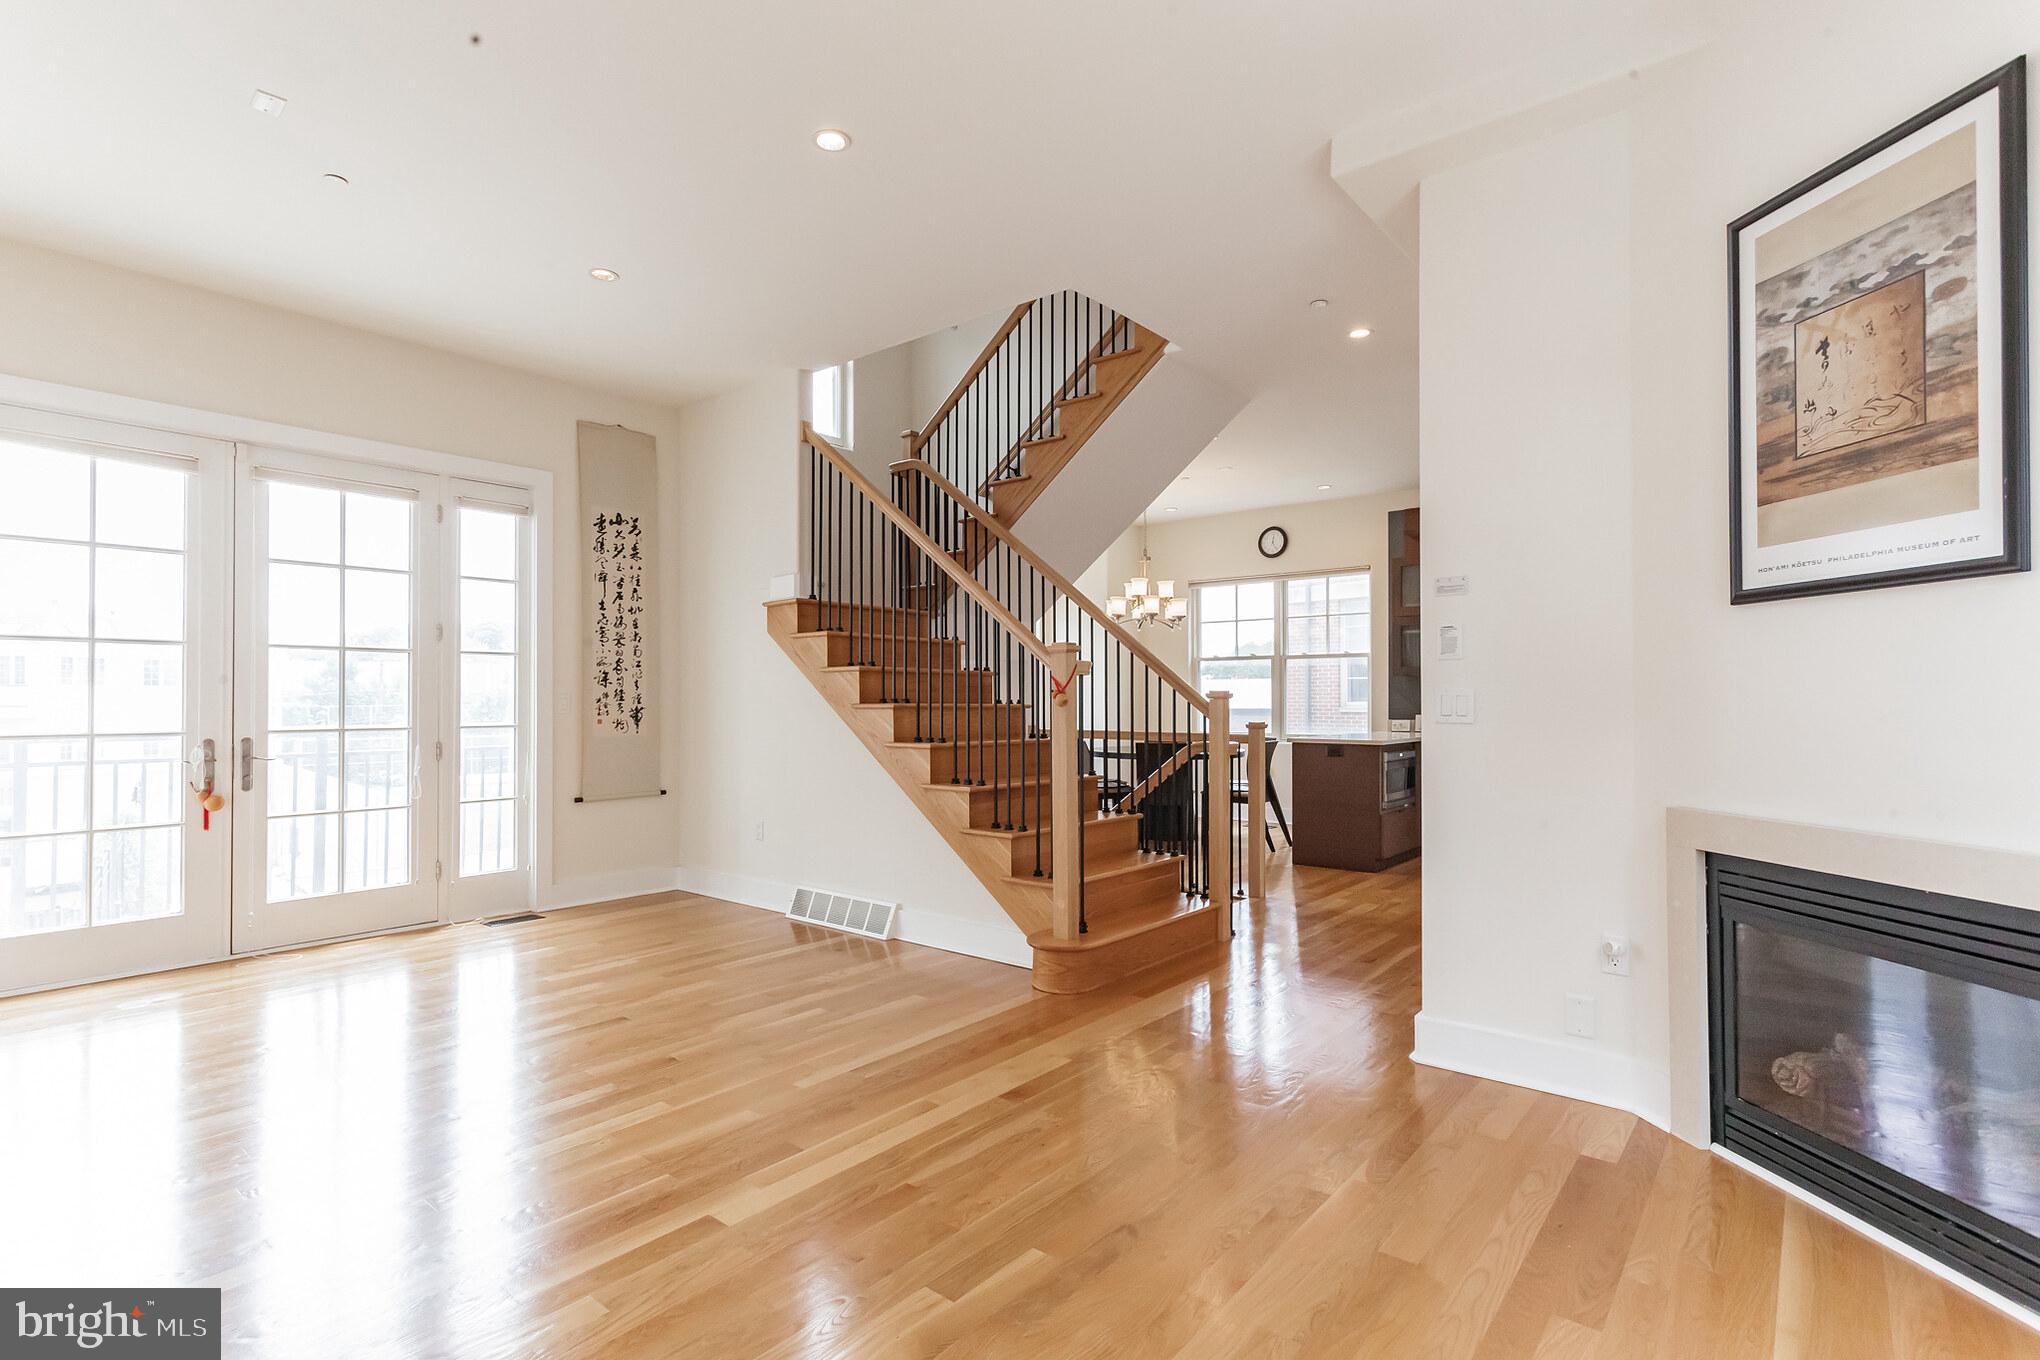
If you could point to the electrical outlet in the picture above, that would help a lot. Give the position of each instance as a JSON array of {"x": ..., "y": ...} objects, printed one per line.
[
  {"x": 1579, "y": 1015},
  {"x": 1615, "y": 955},
  {"x": 758, "y": 832}
]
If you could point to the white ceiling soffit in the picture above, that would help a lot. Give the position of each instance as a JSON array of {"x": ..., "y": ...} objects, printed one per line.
[{"x": 1380, "y": 162}]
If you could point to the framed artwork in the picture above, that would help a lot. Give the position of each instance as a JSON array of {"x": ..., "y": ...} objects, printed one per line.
[{"x": 1879, "y": 380}]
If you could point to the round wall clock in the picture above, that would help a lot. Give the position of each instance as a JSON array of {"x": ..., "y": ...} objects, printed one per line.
[{"x": 1274, "y": 541}]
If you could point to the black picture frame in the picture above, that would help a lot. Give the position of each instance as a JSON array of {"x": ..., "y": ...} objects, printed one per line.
[{"x": 2008, "y": 82}]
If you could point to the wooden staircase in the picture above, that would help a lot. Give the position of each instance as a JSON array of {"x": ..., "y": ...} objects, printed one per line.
[
  {"x": 1003, "y": 828},
  {"x": 984, "y": 684},
  {"x": 1060, "y": 366}
]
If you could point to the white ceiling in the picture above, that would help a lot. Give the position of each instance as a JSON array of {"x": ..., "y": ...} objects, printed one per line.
[{"x": 1166, "y": 156}]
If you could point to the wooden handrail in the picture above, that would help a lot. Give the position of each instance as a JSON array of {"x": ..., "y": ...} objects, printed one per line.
[
  {"x": 922, "y": 435},
  {"x": 920, "y": 467},
  {"x": 914, "y": 534}
]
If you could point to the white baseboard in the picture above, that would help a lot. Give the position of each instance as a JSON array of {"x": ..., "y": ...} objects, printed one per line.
[
  {"x": 2017, "y": 1312},
  {"x": 915, "y": 925},
  {"x": 592, "y": 888},
  {"x": 1575, "y": 1071}
]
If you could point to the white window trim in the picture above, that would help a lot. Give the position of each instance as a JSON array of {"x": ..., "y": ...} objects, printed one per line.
[{"x": 1278, "y": 671}]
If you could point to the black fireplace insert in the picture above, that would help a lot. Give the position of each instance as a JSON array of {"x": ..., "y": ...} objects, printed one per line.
[{"x": 1880, "y": 1047}]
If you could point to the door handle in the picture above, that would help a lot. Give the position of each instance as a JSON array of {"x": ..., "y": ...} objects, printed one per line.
[{"x": 248, "y": 759}]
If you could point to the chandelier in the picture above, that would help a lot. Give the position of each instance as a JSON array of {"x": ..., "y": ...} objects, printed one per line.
[{"x": 1147, "y": 600}]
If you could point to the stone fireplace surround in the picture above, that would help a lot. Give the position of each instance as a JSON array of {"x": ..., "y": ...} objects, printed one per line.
[{"x": 1990, "y": 875}]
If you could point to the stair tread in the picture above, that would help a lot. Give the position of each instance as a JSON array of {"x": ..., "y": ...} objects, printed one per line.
[
  {"x": 1006, "y": 834},
  {"x": 1009, "y": 481},
  {"x": 1043, "y": 439},
  {"x": 1002, "y": 745},
  {"x": 1103, "y": 872},
  {"x": 910, "y": 703},
  {"x": 1124, "y": 925},
  {"x": 1032, "y": 781}
]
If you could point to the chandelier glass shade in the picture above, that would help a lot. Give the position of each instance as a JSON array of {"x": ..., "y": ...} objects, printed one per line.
[{"x": 1148, "y": 600}]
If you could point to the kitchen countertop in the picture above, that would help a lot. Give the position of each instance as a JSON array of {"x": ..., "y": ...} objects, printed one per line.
[{"x": 1362, "y": 739}]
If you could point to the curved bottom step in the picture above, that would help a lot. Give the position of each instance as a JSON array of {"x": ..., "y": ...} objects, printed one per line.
[{"x": 1125, "y": 945}]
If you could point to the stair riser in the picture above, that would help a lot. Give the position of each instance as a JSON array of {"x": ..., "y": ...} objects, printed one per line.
[
  {"x": 1110, "y": 842},
  {"x": 1106, "y": 897},
  {"x": 906, "y": 722},
  {"x": 1032, "y": 802},
  {"x": 839, "y": 649},
  {"x": 812, "y": 615},
  {"x": 872, "y": 685},
  {"x": 1088, "y": 970},
  {"x": 1007, "y": 760},
  {"x": 1076, "y": 419}
]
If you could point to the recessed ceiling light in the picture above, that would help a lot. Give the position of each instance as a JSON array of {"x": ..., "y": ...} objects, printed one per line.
[
  {"x": 1358, "y": 333},
  {"x": 833, "y": 139},
  {"x": 333, "y": 180},
  {"x": 1324, "y": 486},
  {"x": 1319, "y": 304},
  {"x": 604, "y": 275},
  {"x": 1225, "y": 469},
  {"x": 1168, "y": 509},
  {"x": 265, "y": 102}
]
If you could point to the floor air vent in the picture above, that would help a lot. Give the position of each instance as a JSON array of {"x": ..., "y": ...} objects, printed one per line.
[
  {"x": 837, "y": 912},
  {"x": 513, "y": 920}
]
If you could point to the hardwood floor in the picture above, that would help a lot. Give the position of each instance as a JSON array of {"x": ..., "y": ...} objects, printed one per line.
[{"x": 692, "y": 1129}]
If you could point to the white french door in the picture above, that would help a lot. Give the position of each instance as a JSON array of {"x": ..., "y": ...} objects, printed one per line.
[
  {"x": 337, "y": 709},
  {"x": 343, "y": 648},
  {"x": 113, "y": 666}
]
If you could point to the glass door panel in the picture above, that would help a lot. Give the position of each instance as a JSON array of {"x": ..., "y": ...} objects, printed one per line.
[
  {"x": 111, "y": 649},
  {"x": 333, "y": 728},
  {"x": 491, "y": 712}
]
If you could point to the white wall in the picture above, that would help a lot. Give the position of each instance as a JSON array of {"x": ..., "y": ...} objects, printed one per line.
[
  {"x": 785, "y": 792},
  {"x": 1324, "y": 535},
  {"x": 1574, "y": 417},
  {"x": 87, "y": 325},
  {"x": 1163, "y": 423},
  {"x": 1531, "y": 842}
]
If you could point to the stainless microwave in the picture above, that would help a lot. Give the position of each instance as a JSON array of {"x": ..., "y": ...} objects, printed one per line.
[{"x": 1398, "y": 778}]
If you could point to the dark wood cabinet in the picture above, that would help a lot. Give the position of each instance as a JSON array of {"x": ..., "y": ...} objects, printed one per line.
[
  {"x": 1405, "y": 613},
  {"x": 1357, "y": 805}
]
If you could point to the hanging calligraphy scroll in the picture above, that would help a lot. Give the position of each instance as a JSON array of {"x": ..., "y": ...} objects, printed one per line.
[{"x": 619, "y": 514}]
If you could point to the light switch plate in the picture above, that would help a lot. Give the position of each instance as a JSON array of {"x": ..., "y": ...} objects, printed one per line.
[{"x": 1455, "y": 705}]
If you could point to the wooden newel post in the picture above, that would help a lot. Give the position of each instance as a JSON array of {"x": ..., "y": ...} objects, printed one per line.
[
  {"x": 1257, "y": 810},
  {"x": 1218, "y": 819},
  {"x": 1066, "y": 790}
]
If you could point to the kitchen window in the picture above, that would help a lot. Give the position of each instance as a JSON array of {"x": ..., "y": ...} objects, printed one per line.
[{"x": 1292, "y": 650}]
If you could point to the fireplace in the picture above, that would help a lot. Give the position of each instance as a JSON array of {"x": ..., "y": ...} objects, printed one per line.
[{"x": 1880, "y": 1047}]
